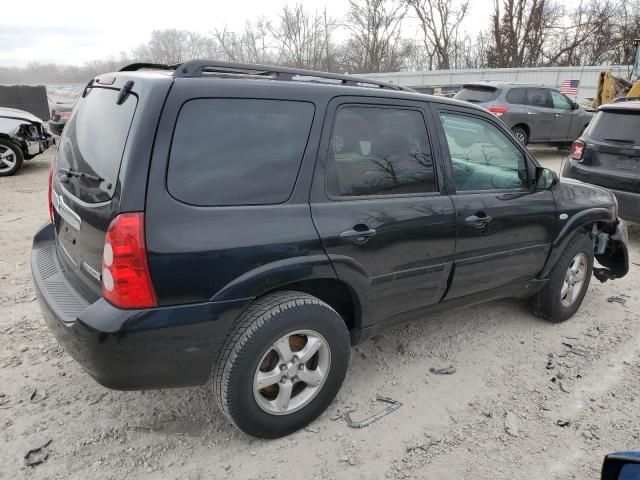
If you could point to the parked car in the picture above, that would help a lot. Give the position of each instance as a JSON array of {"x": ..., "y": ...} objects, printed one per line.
[
  {"x": 243, "y": 225},
  {"x": 608, "y": 154},
  {"x": 534, "y": 113},
  {"x": 22, "y": 137},
  {"x": 60, "y": 113}
]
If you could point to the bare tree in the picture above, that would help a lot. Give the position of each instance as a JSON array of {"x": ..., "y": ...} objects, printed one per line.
[
  {"x": 304, "y": 38},
  {"x": 519, "y": 31},
  {"x": 374, "y": 44},
  {"x": 585, "y": 36},
  {"x": 174, "y": 46},
  {"x": 440, "y": 22},
  {"x": 252, "y": 45}
]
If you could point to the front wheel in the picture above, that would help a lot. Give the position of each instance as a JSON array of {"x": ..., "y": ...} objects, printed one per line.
[
  {"x": 568, "y": 282},
  {"x": 282, "y": 365},
  {"x": 11, "y": 158}
]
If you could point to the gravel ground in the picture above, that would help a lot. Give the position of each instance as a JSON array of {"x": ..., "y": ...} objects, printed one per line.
[{"x": 519, "y": 405}]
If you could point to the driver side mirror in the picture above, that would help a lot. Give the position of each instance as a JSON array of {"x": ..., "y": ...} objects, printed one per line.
[
  {"x": 621, "y": 466},
  {"x": 574, "y": 106},
  {"x": 545, "y": 178}
]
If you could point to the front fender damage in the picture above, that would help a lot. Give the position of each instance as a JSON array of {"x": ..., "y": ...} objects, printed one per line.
[{"x": 610, "y": 244}]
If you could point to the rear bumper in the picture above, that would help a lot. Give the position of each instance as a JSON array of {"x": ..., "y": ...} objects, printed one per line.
[
  {"x": 628, "y": 202},
  {"x": 129, "y": 349}
]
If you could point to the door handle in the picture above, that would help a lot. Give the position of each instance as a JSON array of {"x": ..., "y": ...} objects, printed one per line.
[
  {"x": 530, "y": 113},
  {"x": 558, "y": 115},
  {"x": 359, "y": 235},
  {"x": 479, "y": 219}
]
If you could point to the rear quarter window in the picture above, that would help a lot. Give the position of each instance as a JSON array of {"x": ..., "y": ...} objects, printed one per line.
[
  {"x": 516, "y": 96},
  {"x": 238, "y": 151},
  {"x": 477, "y": 94}
]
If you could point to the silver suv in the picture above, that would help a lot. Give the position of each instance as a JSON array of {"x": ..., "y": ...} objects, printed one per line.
[{"x": 534, "y": 113}]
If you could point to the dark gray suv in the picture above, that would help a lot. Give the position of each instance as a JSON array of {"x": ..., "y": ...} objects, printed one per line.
[{"x": 535, "y": 113}]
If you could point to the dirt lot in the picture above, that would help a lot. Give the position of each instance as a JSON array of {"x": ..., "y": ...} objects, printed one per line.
[{"x": 499, "y": 416}]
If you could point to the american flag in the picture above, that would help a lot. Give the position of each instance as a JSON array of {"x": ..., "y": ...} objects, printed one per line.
[{"x": 569, "y": 87}]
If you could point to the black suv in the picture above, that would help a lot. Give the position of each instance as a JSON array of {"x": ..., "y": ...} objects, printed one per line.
[
  {"x": 608, "y": 154},
  {"x": 243, "y": 225}
]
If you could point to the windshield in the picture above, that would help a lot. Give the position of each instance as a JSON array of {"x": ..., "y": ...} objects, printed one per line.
[
  {"x": 616, "y": 127},
  {"x": 92, "y": 145},
  {"x": 478, "y": 94}
]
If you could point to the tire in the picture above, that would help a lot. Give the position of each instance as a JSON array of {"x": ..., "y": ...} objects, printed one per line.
[
  {"x": 521, "y": 134},
  {"x": 550, "y": 303},
  {"x": 251, "y": 346},
  {"x": 13, "y": 155}
]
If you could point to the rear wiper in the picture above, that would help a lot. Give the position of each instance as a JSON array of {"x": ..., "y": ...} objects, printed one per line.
[
  {"x": 74, "y": 173},
  {"x": 619, "y": 140}
]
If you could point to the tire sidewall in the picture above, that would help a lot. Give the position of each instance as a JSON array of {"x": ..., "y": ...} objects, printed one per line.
[{"x": 240, "y": 400}]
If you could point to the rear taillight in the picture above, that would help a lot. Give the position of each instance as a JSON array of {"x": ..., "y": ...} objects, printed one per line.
[
  {"x": 577, "y": 150},
  {"x": 126, "y": 281},
  {"x": 498, "y": 111},
  {"x": 51, "y": 192},
  {"x": 64, "y": 114}
]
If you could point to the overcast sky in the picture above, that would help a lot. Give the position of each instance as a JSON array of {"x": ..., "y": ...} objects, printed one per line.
[{"x": 74, "y": 31}]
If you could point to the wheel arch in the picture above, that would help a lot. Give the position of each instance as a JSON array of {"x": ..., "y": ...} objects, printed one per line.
[
  {"x": 311, "y": 274},
  {"x": 579, "y": 224}
]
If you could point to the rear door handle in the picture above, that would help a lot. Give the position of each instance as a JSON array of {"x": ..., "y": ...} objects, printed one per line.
[
  {"x": 531, "y": 113},
  {"x": 359, "y": 234},
  {"x": 558, "y": 115}
]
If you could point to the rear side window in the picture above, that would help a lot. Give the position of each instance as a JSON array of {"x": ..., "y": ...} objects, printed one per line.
[
  {"x": 478, "y": 94},
  {"x": 238, "y": 151},
  {"x": 379, "y": 151},
  {"x": 616, "y": 127},
  {"x": 92, "y": 144},
  {"x": 516, "y": 96},
  {"x": 538, "y": 97}
]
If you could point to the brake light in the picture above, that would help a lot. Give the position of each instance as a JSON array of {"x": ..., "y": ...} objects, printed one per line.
[
  {"x": 64, "y": 114},
  {"x": 498, "y": 111},
  {"x": 51, "y": 192},
  {"x": 126, "y": 280},
  {"x": 577, "y": 150}
]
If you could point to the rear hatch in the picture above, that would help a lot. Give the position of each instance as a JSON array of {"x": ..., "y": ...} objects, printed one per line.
[
  {"x": 612, "y": 154},
  {"x": 86, "y": 188},
  {"x": 483, "y": 95}
]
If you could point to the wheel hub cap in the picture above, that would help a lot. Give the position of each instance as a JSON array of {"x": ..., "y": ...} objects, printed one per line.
[
  {"x": 573, "y": 280},
  {"x": 291, "y": 372}
]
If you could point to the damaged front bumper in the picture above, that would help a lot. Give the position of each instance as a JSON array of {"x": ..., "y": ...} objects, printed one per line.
[{"x": 611, "y": 249}]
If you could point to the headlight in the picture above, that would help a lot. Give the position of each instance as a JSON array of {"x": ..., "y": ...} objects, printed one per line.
[{"x": 615, "y": 205}]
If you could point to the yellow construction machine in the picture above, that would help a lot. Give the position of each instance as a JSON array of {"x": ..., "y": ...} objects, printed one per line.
[{"x": 611, "y": 87}]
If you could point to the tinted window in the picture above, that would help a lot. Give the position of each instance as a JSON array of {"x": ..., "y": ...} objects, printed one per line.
[
  {"x": 516, "y": 96},
  {"x": 379, "y": 151},
  {"x": 238, "y": 151},
  {"x": 614, "y": 127},
  {"x": 560, "y": 101},
  {"x": 537, "y": 97},
  {"x": 478, "y": 94},
  {"x": 93, "y": 143},
  {"x": 483, "y": 157}
]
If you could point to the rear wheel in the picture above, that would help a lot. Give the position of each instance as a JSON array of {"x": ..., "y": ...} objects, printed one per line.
[
  {"x": 521, "y": 134},
  {"x": 11, "y": 158},
  {"x": 568, "y": 282},
  {"x": 282, "y": 365}
]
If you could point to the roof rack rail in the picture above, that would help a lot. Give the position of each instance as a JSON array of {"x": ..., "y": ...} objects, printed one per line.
[
  {"x": 625, "y": 99},
  {"x": 198, "y": 68},
  {"x": 139, "y": 66}
]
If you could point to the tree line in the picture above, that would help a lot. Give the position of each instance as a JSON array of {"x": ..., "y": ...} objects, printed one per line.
[{"x": 391, "y": 35}]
